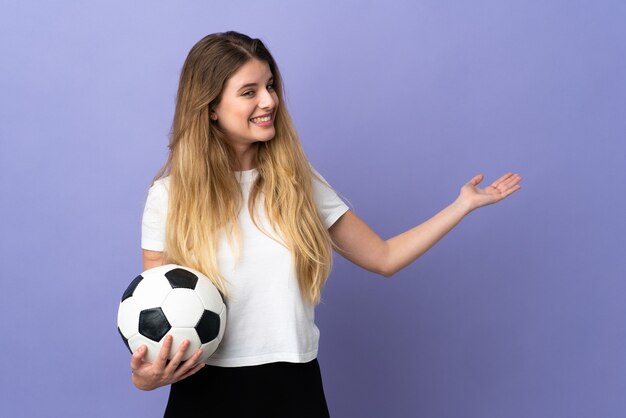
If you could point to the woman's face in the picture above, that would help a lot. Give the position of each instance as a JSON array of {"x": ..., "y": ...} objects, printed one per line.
[{"x": 248, "y": 105}]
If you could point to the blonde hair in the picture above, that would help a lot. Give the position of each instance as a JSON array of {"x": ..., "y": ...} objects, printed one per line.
[{"x": 204, "y": 193}]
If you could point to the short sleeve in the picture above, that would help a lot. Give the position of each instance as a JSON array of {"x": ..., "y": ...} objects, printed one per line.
[
  {"x": 155, "y": 216},
  {"x": 329, "y": 204}
]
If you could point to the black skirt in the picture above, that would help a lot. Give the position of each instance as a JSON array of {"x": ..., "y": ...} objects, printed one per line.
[{"x": 273, "y": 390}]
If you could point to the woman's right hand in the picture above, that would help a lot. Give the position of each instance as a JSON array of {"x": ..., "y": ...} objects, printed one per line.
[{"x": 148, "y": 376}]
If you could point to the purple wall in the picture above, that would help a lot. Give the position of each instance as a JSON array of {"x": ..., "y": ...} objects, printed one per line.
[{"x": 518, "y": 312}]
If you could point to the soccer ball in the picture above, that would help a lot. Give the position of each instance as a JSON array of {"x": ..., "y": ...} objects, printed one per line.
[{"x": 172, "y": 300}]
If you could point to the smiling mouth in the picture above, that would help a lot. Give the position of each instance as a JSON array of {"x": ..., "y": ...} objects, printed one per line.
[{"x": 262, "y": 119}]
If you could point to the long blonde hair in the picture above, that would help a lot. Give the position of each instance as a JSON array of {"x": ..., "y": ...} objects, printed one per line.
[{"x": 204, "y": 193}]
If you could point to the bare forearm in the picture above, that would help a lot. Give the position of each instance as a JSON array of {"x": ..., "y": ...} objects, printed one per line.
[{"x": 405, "y": 248}]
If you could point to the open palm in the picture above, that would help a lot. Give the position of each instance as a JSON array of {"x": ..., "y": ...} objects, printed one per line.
[{"x": 498, "y": 190}]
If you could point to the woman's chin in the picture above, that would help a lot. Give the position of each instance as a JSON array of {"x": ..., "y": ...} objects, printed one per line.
[{"x": 266, "y": 138}]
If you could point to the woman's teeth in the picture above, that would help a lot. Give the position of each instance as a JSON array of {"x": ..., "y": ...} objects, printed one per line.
[{"x": 260, "y": 120}]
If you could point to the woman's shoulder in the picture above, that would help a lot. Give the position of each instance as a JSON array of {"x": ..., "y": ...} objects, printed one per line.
[
  {"x": 162, "y": 183},
  {"x": 318, "y": 179},
  {"x": 160, "y": 187}
]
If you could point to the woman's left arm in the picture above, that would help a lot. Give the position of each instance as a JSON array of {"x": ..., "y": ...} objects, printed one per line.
[{"x": 357, "y": 242}]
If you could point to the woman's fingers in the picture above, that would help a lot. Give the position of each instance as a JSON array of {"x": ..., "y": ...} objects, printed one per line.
[
  {"x": 191, "y": 371},
  {"x": 506, "y": 182},
  {"x": 476, "y": 179},
  {"x": 510, "y": 183},
  {"x": 178, "y": 356},
  {"x": 162, "y": 372},
  {"x": 498, "y": 182},
  {"x": 164, "y": 353},
  {"x": 501, "y": 180},
  {"x": 136, "y": 360},
  {"x": 508, "y": 186},
  {"x": 190, "y": 363}
]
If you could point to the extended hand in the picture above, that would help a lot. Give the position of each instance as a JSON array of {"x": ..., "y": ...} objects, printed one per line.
[{"x": 474, "y": 197}]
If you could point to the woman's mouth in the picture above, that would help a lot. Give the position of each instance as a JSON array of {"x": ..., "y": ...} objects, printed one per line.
[{"x": 265, "y": 120}]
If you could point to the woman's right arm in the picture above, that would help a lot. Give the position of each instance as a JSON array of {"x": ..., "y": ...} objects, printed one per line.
[{"x": 152, "y": 259}]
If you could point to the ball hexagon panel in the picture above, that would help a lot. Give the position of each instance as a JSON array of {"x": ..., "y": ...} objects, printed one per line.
[
  {"x": 153, "y": 324},
  {"x": 161, "y": 270},
  {"x": 152, "y": 290},
  {"x": 181, "y": 278},
  {"x": 209, "y": 295},
  {"x": 127, "y": 315},
  {"x": 183, "y": 308}
]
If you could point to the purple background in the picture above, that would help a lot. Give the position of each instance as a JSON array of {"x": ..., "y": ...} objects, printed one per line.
[{"x": 518, "y": 312}]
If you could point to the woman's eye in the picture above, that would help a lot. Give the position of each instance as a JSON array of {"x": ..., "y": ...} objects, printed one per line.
[{"x": 250, "y": 93}]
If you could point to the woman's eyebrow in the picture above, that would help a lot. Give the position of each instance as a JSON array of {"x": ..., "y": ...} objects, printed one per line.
[{"x": 253, "y": 84}]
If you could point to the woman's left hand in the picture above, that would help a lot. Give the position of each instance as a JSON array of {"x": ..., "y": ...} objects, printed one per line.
[{"x": 475, "y": 198}]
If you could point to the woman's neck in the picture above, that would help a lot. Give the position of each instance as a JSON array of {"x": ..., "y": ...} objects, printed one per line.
[{"x": 246, "y": 158}]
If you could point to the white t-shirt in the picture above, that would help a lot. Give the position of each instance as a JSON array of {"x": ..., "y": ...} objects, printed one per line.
[{"x": 267, "y": 319}]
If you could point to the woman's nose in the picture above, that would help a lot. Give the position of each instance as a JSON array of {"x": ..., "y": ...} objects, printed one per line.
[{"x": 267, "y": 100}]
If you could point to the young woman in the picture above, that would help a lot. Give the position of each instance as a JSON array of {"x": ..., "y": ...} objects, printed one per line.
[{"x": 238, "y": 200}]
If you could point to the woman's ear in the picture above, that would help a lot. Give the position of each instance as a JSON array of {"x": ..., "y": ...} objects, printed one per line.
[{"x": 212, "y": 113}]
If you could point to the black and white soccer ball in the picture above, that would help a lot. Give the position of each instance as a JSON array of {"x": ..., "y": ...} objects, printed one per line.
[{"x": 172, "y": 300}]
